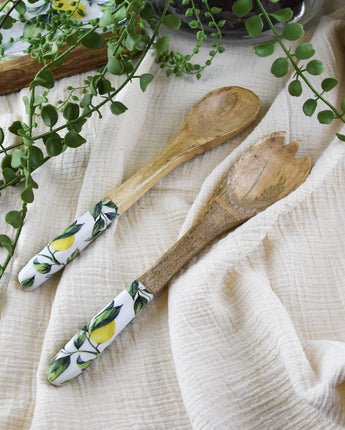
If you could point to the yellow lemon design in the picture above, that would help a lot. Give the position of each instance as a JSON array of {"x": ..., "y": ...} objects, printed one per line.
[
  {"x": 103, "y": 334},
  {"x": 66, "y": 5},
  {"x": 63, "y": 243}
]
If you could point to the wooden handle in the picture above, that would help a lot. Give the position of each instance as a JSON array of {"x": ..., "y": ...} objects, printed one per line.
[{"x": 215, "y": 221}]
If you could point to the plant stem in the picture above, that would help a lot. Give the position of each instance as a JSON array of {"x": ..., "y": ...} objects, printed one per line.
[
  {"x": 15, "y": 240},
  {"x": 295, "y": 65}
]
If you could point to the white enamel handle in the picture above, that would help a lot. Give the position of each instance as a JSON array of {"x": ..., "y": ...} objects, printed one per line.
[
  {"x": 86, "y": 345},
  {"x": 68, "y": 245}
]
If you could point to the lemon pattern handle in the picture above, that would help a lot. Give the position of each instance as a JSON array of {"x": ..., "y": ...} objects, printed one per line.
[
  {"x": 68, "y": 245},
  {"x": 98, "y": 334}
]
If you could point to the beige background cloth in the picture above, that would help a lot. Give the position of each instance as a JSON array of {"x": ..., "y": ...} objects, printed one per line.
[{"x": 251, "y": 334}]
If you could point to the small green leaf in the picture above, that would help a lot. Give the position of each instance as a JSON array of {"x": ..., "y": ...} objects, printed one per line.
[
  {"x": 18, "y": 158},
  {"x": 131, "y": 40},
  {"x": 280, "y": 67},
  {"x": 341, "y": 137},
  {"x": 242, "y": 7},
  {"x": 295, "y": 88},
  {"x": 6, "y": 242},
  {"x": 8, "y": 174},
  {"x": 21, "y": 8},
  {"x": 163, "y": 43},
  {"x": 172, "y": 21},
  {"x": 74, "y": 254},
  {"x": 49, "y": 115},
  {"x": 6, "y": 22},
  {"x": 315, "y": 67},
  {"x": 117, "y": 108},
  {"x": 93, "y": 41},
  {"x": 96, "y": 210},
  {"x": 1, "y": 136},
  {"x": 74, "y": 139},
  {"x": 328, "y": 84},
  {"x": 45, "y": 78},
  {"x": 147, "y": 12},
  {"x": 133, "y": 289},
  {"x": 283, "y": 15},
  {"x": 54, "y": 144},
  {"x": 309, "y": 107},
  {"x": 27, "y": 195},
  {"x": 77, "y": 125},
  {"x": 104, "y": 318},
  {"x": 6, "y": 161},
  {"x": 69, "y": 231},
  {"x": 120, "y": 14},
  {"x": 139, "y": 303},
  {"x": 193, "y": 24},
  {"x": 104, "y": 86},
  {"x": 83, "y": 364},
  {"x": 79, "y": 338},
  {"x": 72, "y": 38},
  {"x": 57, "y": 366},
  {"x": 71, "y": 111},
  {"x": 106, "y": 19},
  {"x": 15, "y": 127},
  {"x": 27, "y": 283},
  {"x": 254, "y": 25},
  {"x": 325, "y": 116},
  {"x": 304, "y": 51},
  {"x": 265, "y": 50},
  {"x": 97, "y": 229},
  {"x": 36, "y": 157},
  {"x": 43, "y": 268},
  {"x": 293, "y": 31},
  {"x": 14, "y": 218},
  {"x": 145, "y": 80},
  {"x": 115, "y": 66}
]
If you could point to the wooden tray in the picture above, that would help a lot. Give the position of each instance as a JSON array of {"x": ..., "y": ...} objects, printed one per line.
[{"x": 17, "y": 73}]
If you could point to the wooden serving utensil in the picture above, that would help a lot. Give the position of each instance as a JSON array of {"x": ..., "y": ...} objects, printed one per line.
[
  {"x": 217, "y": 117},
  {"x": 262, "y": 176}
]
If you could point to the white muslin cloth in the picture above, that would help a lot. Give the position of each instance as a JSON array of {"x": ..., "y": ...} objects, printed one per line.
[{"x": 251, "y": 334}]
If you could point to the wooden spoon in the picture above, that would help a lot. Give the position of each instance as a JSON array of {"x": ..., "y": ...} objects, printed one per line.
[
  {"x": 216, "y": 118},
  {"x": 262, "y": 176}
]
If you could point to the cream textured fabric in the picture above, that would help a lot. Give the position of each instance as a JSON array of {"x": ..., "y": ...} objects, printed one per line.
[{"x": 251, "y": 335}]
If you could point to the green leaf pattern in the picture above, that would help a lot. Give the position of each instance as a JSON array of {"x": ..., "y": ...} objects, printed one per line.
[
  {"x": 72, "y": 241},
  {"x": 44, "y": 12},
  {"x": 81, "y": 350}
]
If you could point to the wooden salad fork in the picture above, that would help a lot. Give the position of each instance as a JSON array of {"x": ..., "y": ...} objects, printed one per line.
[
  {"x": 266, "y": 173},
  {"x": 219, "y": 116}
]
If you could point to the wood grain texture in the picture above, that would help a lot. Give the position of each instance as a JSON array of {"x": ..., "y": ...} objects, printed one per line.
[
  {"x": 216, "y": 118},
  {"x": 264, "y": 175},
  {"x": 18, "y": 73}
]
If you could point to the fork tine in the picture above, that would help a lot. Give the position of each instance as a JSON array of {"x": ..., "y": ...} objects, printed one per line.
[{"x": 292, "y": 147}]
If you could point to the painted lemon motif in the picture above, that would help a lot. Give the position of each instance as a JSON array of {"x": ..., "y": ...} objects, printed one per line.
[
  {"x": 103, "y": 334},
  {"x": 66, "y": 5},
  {"x": 63, "y": 243}
]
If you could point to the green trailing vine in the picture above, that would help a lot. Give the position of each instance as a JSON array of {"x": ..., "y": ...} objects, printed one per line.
[
  {"x": 135, "y": 30},
  {"x": 304, "y": 51}
]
